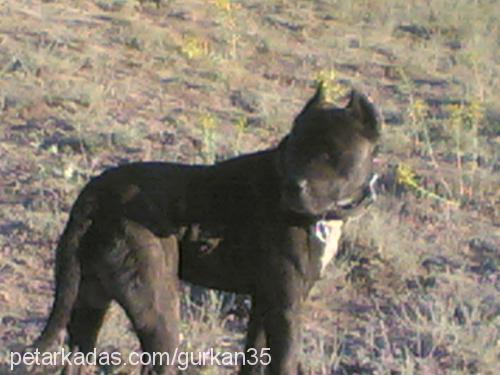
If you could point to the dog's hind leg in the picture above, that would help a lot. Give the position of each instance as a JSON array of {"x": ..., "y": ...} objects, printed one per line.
[
  {"x": 84, "y": 326},
  {"x": 86, "y": 319},
  {"x": 148, "y": 292}
]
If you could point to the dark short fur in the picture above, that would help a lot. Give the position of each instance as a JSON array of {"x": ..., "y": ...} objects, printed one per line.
[{"x": 242, "y": 225}]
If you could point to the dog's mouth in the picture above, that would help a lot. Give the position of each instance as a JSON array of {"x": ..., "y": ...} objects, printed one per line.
[
  {"x": 339, "y": 209},
  {"x": 368, "y": 195},
  {"x": 352, "y": 206}
]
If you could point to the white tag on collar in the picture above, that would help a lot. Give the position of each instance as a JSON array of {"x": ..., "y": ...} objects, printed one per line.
[
  {"x": 322, "y": 230},
  {"x": 328, "y": 233}
]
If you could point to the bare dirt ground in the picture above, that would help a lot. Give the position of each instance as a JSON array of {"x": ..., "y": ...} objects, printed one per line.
[{"x": 89, "y": 84}]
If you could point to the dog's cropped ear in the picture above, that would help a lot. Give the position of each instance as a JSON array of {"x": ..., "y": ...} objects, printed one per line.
[
  {"x": 282, "y": 144},
  {"x": 317, "y": 99},
  {"x": 364, "y": 111}
]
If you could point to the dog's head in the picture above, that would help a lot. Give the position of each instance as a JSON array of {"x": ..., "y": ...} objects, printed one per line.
[{"x": 326, "y": 160}]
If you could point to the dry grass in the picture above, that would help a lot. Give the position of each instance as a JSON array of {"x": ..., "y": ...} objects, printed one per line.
[{"x": 88, "y": 84}]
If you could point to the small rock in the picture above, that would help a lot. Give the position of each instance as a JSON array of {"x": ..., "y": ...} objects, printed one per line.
[
  {"x": 415, "y": 30},
  {"x": 8, "y": 102},
  {"x": 4, "y": 298},
  {"x": 12, "y": 227},
  {"x": 263, "y": 47},
  {"x": 181, "y": 15},
  {"x": 277, "y": 21},
  {"x": 393, "y": 118},
  {"x": 113, "y": 6},
  {"x": 62, "y": 142},
  {"x": 437, "y": 264},
  {"x": 354, "y": 43},
  {"x": 484, "y": 246},
  {"x": 484, "y": 253},
  {"x": 168, "y": 138},
  {"x": 256, "y": 121},
  {"x": 246, "y": 100},
  {"x": 9, "y": 320}
]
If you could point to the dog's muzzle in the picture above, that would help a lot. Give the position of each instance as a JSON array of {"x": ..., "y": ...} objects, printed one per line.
[
  {"x": 369, "y": 193},
  {"x": 351, "y": 206}
]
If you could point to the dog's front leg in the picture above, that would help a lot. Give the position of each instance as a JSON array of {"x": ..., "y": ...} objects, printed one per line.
[
  {"x": 279, "y": 302},
  {"x": 255, "y": 342},
  {"x": 282, "y": 327},
  {"x": 272, "y": 341}
]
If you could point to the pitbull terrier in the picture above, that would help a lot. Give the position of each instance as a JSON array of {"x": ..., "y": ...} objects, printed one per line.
[{"x": 264, "y": 224}]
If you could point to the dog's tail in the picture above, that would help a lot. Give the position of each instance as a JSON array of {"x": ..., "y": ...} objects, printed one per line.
[{"x": 67, "y": 275}]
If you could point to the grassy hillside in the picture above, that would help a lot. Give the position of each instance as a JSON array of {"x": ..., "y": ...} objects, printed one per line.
[{"x": 89, "y": 84}]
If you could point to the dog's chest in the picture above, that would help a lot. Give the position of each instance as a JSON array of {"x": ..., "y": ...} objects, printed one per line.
[{"x": 324, "y": 236}]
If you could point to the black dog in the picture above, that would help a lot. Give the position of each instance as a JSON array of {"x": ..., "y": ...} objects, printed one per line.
[{"x": 263, "y": 224}]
